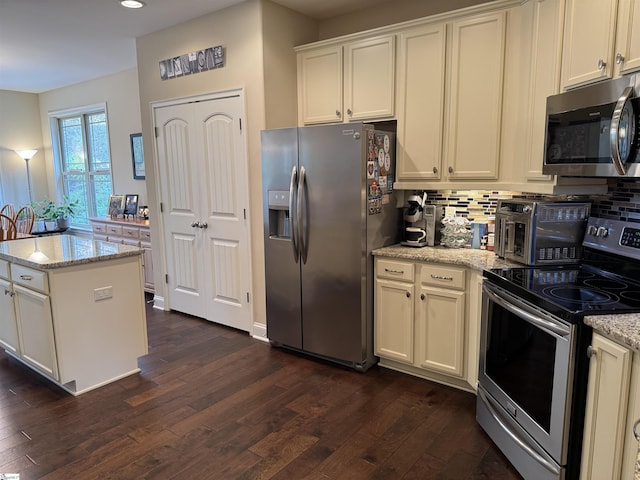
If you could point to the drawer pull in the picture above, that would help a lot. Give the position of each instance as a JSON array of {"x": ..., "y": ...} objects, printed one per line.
[
  {"x": 440, "y": 277},
  {"x": 390, "y": 270},
  {"x": 26, "y": 277}
]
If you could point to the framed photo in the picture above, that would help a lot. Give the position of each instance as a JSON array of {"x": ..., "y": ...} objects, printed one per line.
[
  {"x": 137, "y": 156},
  {"x": 116, "y": 205},
  {"x": 130, "y": 205}
]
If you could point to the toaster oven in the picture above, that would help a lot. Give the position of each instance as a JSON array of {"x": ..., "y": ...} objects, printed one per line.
[{"x": 540, "y": 233}]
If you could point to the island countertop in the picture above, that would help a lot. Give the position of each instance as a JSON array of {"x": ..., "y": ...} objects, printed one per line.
[{"x": 62, "y": 251}]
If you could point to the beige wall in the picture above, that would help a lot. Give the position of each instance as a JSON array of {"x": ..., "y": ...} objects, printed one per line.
[
  {"x": 120, "y": 93},
  {"x": 239, "y": 29},
  {"x": 388, "y": 13},
  {"x": 20, "y": 130}
]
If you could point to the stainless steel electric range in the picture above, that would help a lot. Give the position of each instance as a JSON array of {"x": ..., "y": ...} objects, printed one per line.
[{"x": 533, "y": 348}]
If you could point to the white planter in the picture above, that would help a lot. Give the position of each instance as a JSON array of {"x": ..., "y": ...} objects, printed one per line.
[{"x": 51, "y": 225}]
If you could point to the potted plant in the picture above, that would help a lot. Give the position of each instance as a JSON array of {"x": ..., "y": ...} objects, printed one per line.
[{"x": 55, "y": 215}]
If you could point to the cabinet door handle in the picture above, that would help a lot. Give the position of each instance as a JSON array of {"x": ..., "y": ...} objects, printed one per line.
[
  {"x": 450, "y": 169},
  {"x": 619, "y": 58},
  {"x": 337, "y": 113},
  {"x": 435, "y": 169},
  {"x": 390, "y": 270},
  {"x": 601, "y": 64},
  {"x": 26, "y": 277},
  {"x": 194, "y": 225},
  {"x": 440, "y": 277},
  {"x": 349, "y": 112},
  {"x": 408, "y": 294},
  {"x": 636, "y": 433},
  {"x": 422, "y": 296},
  {"x": 9, "y": 292},
  {"x": 591, "y": 352}
]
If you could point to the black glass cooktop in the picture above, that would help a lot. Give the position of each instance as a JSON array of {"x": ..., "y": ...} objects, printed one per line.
[{"x": 578, "y": 289}]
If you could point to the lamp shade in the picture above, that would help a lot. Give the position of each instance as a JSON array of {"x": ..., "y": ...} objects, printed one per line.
[{"x": 26, "y": 154}]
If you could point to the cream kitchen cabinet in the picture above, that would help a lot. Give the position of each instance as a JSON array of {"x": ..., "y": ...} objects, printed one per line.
[
  {"x": 420, "y": 321},
  {"x": 452, "y": 133},
  {"x": 350, "y": 81},
  {"x": 129, "y": 232},
  {"x": 606, "y": 409},
  {"x": 8, "y": 326},
  {"x": 600, "y": 40},
  {"x": 34, "y": 319},
  {"x": 394, "y": 310},
  {"x": 440, "y": 319}
]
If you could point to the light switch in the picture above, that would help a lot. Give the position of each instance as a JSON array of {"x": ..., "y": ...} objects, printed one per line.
[{"x": 102, "y": 293}]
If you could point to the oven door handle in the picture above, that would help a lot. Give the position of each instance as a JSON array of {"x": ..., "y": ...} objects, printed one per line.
[
  {"x": 536, "y": 320},
  {"x": 555, "y": 469}
]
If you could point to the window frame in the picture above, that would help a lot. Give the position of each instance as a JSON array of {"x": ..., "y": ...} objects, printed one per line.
[{"x": 56, "y": 148}]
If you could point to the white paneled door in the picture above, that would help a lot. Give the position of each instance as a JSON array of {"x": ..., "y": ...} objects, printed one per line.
[{"x": 203, "y": 180}]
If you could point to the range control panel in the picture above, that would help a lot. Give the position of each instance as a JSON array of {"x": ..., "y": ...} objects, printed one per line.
[{"x": 614, "y": 236}]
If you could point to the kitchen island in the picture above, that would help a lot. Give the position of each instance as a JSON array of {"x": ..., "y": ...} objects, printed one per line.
[{"x": 73, "y": 309}]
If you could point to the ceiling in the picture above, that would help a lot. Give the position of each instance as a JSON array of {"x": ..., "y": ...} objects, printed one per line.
[{"x": 48, "y": 44}]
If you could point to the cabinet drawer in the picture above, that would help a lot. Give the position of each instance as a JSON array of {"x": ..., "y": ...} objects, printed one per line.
[
  {"x": 35, "y": 279},
  {"x": 442, "y": 276},
  {"x": 4, "y": 269},
  {"x": 394, "y": 270},
  {"x": 130, "y": 232},
  {"x": 104, "y": 238},
  {"x": 114, "y": 230},
  {"x": 99, "y": 228},
  {"x": 131, "y": 241},
  {"x": 145, "y": 235}
]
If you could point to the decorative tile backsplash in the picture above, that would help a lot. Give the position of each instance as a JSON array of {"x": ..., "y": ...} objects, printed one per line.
[{"x": 621, "y": 202}]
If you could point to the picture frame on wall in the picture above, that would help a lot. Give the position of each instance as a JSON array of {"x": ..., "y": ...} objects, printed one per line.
[
  {"x": 116, "y": 205},
  {"x": 137, "y": 156},
  {"x": 130, "y": 205}
]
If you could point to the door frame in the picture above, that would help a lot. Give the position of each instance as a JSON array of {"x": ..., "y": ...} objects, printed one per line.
[{"x": 164, "y": 302}]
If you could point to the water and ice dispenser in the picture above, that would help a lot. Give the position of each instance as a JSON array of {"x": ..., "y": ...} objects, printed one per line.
[{"x": 279, "y": 214}]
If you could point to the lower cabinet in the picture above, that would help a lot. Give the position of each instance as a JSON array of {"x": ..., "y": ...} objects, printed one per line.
[
  {"x": 421, "y": 321},
  {"x": 613, "y": 404},
  {"x": 37, "y": 346},
  {"x": 8, "y": 327}
]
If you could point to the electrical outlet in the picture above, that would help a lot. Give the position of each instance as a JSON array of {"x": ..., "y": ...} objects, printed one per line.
[{"x": 102, "y": 293}]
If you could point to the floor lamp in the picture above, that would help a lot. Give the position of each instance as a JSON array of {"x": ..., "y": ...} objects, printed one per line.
[{"x": 26, "y": 156}]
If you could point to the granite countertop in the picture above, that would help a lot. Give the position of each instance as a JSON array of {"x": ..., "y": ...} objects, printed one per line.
[
  {"x": 466, "y": 257},
  {"x": 625, "y": 328},
  {"x": 62, "y": 251}
]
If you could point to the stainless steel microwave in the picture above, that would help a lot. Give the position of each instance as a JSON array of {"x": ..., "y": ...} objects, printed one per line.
[{"x": 593, "y": 131}]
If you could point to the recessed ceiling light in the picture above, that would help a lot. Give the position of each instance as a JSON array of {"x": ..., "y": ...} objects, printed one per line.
[{"x": 132, "y": 3}]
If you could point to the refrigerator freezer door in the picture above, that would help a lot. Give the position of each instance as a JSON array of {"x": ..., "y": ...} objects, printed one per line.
[
  {"x": 282, "y": 267},
  {"x": 334, "y": 236}
]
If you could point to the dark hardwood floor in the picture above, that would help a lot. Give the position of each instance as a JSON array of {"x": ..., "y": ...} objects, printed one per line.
[{"x": 213, "y": 403}]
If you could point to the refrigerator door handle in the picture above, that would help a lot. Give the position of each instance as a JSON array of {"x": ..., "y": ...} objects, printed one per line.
[
  {"x": 292, "y": 217},
  {"x": 302, "y": 241}
]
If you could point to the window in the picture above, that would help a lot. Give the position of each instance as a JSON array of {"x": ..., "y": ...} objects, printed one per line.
[{"x": 83, "y": 161}]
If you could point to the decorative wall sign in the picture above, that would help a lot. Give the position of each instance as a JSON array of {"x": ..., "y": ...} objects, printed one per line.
[{"x": 193, "y": 62}]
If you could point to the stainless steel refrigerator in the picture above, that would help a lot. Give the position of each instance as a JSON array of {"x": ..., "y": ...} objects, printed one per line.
[{"x": 328, "y": 202}]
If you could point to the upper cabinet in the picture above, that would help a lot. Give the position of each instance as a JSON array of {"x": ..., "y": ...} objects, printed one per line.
[
  {"x": 599, "y": 40},
  {"x": 450, "y": 99},
  {"x": 474, "y": 102},
  {"x": 420, "y": 96},
  {"x": 320, "y": 85},
  {"x": 353, "y": 81}
]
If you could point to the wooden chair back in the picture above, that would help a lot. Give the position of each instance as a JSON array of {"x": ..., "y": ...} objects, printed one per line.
[
  {"x": 7, "y": 228},
  {"x": 24, "y": 219},
  {"x": 9, "y": 210}
]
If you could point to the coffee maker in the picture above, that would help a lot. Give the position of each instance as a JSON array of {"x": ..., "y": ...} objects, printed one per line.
[{"x": 421, "y": 223}]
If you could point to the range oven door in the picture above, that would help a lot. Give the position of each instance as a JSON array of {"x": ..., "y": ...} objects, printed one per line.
[{"x": 525, "y": 382}]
